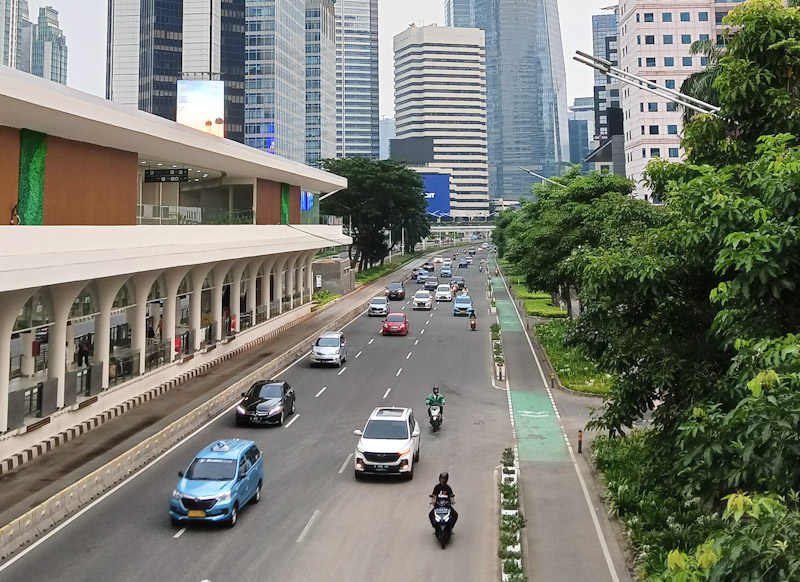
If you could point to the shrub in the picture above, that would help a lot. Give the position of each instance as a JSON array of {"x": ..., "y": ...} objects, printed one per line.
[{"x": 572, "y": 364}]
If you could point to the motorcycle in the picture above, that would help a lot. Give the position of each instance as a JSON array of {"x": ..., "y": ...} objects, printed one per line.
[
  {"x": 442, "y": 514},
  {"x": 435, "y": 416},
  {"x": 496, "y": 271},
  {"x": 480, "y": 268},
  {"x": 473, "y": 324}
]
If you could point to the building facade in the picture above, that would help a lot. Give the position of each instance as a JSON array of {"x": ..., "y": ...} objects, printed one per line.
[
  {"x": 388, "y": 133},
  {"x": 357, "y": 95},
  {"x": 440, "y": 95},
  {"x": 605, "y": 43},
  {"x": 581, "y": 131},
  {"x": 33, "y": 47},
  {"x": 655, "y": 40},
  {"x": 459, "y": 13},
  {"x": 49, "y": 54},
  {"x": 527, "y": 92},
  {"x": 154, "y": 44},
  {"x": 320, "y": 80},
  {"x": 12, "y": 14}
]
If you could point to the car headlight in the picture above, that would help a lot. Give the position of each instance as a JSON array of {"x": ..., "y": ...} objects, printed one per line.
[
  {"x": 276, "y": 409},
  {"x": 177, "y": 494},
  {"x": 404, "y": 452},
  {"x": 223, "y": 496},
  {"x": 241, "y": 410}
]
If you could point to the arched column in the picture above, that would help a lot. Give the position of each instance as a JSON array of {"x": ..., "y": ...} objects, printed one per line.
[
  {"x": 107, "y": 290},
  {"x": 173, "y": 278},
  {"x": 63, "y": 296},
  {"x": 236, "y": 293},
  {"x": 198, "y": 276},
  {"x": 266, "y": 284},
  {"x": 10, "y": 304},
  {"x": 278, "y": 270},
  {"x": 290, "y": 279},
  {"x": 307, "y": 277},
  {"x": 142, "y": 283},
  {"x": 219, "y": 271}
]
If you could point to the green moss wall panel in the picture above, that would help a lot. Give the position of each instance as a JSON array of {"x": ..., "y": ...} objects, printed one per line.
[{"x": 32, "y": 154}]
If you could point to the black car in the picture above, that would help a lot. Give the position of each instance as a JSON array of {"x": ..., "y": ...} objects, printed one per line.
[
  {"x": 266, "y": 402},
  {"x": 395, "y": 291},
  {"x": 428, "y": 266},
  {"x": 458, "y": 281},
  {"x": 431, "y": 283}
]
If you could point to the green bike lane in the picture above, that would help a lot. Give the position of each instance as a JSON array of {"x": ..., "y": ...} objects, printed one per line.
[{"x": 565, "y": 539}]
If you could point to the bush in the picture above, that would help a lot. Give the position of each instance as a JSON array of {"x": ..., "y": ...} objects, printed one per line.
[
  {"x": 323, "y": 297},
  {"x": 572, "y": 364},
  {"x": 538, "y": 303},
  {"x": 375, "y": 273}
]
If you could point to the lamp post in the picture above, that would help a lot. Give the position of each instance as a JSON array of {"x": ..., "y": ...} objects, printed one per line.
[{"x": 542, "y": 178}]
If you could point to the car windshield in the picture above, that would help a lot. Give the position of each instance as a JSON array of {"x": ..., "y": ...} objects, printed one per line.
[
  {"x": 269, "y": 391},
  {"x": 395, "y": 318},
  {"x": 444, "y": 288},
  {"x": 328, "y": 342},
  {"x": 379, "y": 301},
  {"x": 422, "y": 295},
  {"x": 457, "y": 279},
  {"x": 211, "y": 470},
  {"x": 386, "y": 429},
  {"x": 463, "y": 300},
  {"x": 395, "y": 286}
]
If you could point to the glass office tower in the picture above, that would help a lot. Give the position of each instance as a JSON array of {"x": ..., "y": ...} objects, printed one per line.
[
  {"x": 459, "y": 13},
  {"x": 320, "y": 80}
]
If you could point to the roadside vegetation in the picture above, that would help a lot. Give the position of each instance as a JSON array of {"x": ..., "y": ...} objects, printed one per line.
[
  {"x": 375, "y": 273},
  {"x": 320, "y": 298},
  {"x": 693, "y": 307},
  {"x": 538, "y": 303},
  {"x": 572, "y": 364}
]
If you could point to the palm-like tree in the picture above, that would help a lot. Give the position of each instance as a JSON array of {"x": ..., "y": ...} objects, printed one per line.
[{"x": 700, "y": 85}]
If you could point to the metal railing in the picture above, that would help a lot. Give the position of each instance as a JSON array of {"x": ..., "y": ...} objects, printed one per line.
[
  {"x": 156, "y": 355},
  {"x": 245, "y": 320},
  {"x": 262, "y": 313},
  {"x": 82, "y": 377},
  {"x": 33, "y": 401},
  {"x": 275, "y": 309},
  {"x": 123, "y": 367},
  {"x": 39, "y": 364}
]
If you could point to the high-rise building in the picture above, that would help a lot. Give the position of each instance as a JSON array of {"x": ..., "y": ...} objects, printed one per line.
[
  {"x": 527, "y": 92},
  {"x": 320, "y": 80},
  {"x": 388, "y": 133},
  {"x": 459, "y": 13},
  {"x": 39, "y": 48},
  {"x": 49, "y": 48},
  {"x": 12, "y": 14},
  {"x": 581, "y": 128},
  {"x": 27, "y": 34},
  {"x": 153, "y": 44},
  {"x": 655, "y": 38},
  {"x": 357, "y": 96},
  {"x": 276, "y": 77},
  {"x": 440, "y": 98},
  {"x": 606, "y": 90}
]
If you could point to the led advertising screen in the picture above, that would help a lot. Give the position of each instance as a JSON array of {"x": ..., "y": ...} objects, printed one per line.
[
  {"x": 201, "y": 105},
  {"x": 437, "y": 192}
]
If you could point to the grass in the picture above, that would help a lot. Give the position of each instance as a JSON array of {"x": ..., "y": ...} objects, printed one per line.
[
  {"x": 575, "y": 370},
  {"x": 320, "y": 298},
  {"x": 375, "y": 273},
  {"x": 537, "y": 303}
]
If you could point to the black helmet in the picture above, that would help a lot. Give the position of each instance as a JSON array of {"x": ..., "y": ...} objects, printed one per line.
[
  {"x": 444, "y": 475},
  {"x": 435, "y": 388}
]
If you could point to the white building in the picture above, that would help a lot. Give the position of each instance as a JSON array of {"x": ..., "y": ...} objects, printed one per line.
[
  {"x": 440, "y": 94},
  {"x": 655, "y": 37}
]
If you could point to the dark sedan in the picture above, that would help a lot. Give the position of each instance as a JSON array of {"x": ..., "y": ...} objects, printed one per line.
[
  {"x": 267, "y": 402},
  {"x": 395, "y": 291}
]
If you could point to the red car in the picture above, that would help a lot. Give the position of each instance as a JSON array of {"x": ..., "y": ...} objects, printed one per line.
[{"x": 395, "y": 324}]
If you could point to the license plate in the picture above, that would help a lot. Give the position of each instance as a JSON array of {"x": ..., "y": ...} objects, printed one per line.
[
  {"x": 381, "y": 467},
  {"x": 196, "y": 513}
]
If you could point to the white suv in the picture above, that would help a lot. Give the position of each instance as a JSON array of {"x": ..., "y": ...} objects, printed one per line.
[
  {"x": 444, "y": 293},
  {"x": 389, "y": 443}
]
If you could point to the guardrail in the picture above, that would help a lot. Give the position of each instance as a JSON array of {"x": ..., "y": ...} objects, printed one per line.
[{"x": 45, "y": 516}]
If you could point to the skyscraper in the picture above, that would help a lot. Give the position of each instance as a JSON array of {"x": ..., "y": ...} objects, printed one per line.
[
  {"x": 581, "y": 131},
  {"x": 440, "y": 99},
  {"x": 459, "y": 13},
  {"x": 49, "y": 54},
  {"x": 320, "y": 80},
  {"x": 357, "y": 97},
  {"x": 526, "y": 92},
  {"x": 12, "y": 14},
  {"x": 153, "y": 44},
  {"x": 605, "y": 42}
]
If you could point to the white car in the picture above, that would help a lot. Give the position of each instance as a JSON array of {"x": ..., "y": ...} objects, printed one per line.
[
  {"x": 469, "y": 260},
  {"x": 378, "y": 306},
  {"x": 389, "y": 443},
  {"x": 444, "y": 293},
  {"x": 422, "y": 300},
  {"x": 438, "y": 260},
  {"x": 447, "y": 263}
]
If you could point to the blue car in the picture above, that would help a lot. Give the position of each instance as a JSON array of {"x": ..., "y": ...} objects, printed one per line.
[
  {"x": 422, "y": 276},
  {"x": 221, "y": 479},
  {"x": 462, "y": 305},
  {"x": 446, "y": 272}
]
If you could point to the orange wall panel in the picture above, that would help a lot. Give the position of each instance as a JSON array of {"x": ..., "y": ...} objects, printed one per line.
[
  {"x": 9, "y": 172},
  {"x": 268, "y": 202},
  {"x": 89, "y": 184}
]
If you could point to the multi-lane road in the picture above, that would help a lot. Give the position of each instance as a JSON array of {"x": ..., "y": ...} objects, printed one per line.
[{"x": 316, "y": 522}]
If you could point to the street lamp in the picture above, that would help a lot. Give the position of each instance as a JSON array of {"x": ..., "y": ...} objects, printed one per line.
[{"x": 532, "y": 173}]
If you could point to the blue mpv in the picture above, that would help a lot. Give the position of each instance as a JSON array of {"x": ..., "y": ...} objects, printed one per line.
[
  {"x": 462, "y": 305},
  {"x": 221, "y": 479},
  {"x": 422, "y": 276}
]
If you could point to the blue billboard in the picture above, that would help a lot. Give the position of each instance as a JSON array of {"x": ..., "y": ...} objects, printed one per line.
[{"x": 437, "y": 192}]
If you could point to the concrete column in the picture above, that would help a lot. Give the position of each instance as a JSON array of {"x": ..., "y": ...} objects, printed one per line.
[
  {"x": 310, "y": 273},
  {"x": 252, "y": 300},
  {"x": 290, "y": 279},
  {"x": 219, "y": 272},
  {"x": 236, "y": 293},
  {"x": 142, "y": 283},
  {"x": 63, "y": 297},
  {"x": 198, "y": 276},
  {"x": 10, "y": 304},
  {"x": 266, "y": 283},
  {"x": 107, "y": 290},
  {"x": 173, "y": 279},
  {"x": 27, "y": 361},
  {"x": 278, "y": 270}
]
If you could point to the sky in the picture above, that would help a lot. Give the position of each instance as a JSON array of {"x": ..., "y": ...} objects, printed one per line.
[{"x": 84, "y": 23}]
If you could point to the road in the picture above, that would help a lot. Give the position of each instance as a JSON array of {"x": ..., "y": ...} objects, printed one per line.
[{"x": 316, "y": 522}]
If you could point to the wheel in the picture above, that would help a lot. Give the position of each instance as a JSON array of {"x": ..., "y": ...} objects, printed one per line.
[
  {"x": 339, "y": 364},
  {"x": 257, "y": 494},
  {"x": 358, "y": 475},
  {"x": 416, "y": 456},
  {"x": 282, "y": 418},
  {"x": 435, "y": 426},
  {"x": 234, "y": 516},
  {"x": 443, "y": 541},
  {"x": 410, "y": 474},
  {"x": 174, "y": 521},
  {"x": 294, "y": 405}
]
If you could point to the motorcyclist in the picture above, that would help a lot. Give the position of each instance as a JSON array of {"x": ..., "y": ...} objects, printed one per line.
[
  {"x": 473, "y": 321},
  {"x": 443, "y": 487},
  {"x": 436, "y": 399}
]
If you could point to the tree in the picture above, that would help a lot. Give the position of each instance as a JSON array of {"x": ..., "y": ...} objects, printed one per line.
[
  {"x": 381, "y": 195},
  {"x": 700, "y": 85}
]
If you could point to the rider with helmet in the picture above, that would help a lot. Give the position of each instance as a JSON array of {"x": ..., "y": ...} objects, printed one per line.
[
  {"x": 436, "y": 399},
  {"x": 443, "y": 488}
]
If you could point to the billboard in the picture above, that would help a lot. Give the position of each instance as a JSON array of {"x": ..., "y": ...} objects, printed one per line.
[
  {"x": 437, "y": 192},
  {"x": 201, "y": 106}
]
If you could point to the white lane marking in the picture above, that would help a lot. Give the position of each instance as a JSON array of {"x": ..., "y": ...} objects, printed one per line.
[
  {"x": 427, "y": 322},
  {"x": 180, "y": 533},
  {"x": 404, "y": 307},
  {"x": 416, "y": 342},
  {"x": 359, "y": 353},
  {"x": 308, "y": 526},
  {"x": 370, "y": 341},
  {"x": 435, "y": 308},
  {"x": 385, "y": 394},
  {"x": 592, "y": 510},
  {"x": 422, "y": 331},
  {"x": 318, "y": 394},
  {"x": 346, "y": 462},
  {"x": 408, "y": 356},
  {"x": 295, "y": 416},
  {"x": 341, "y": 371},
  {"x": 398, "y": 372}
]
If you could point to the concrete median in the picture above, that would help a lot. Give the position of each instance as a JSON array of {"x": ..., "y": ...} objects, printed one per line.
[{"x": 44, "y": 517}]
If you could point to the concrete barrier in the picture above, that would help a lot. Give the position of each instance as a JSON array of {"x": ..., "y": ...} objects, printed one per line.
[{"x": 42, "y": 518}]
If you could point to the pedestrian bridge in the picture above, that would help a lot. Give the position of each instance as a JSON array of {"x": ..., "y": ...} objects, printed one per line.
[{"x": 463, "y": 229}]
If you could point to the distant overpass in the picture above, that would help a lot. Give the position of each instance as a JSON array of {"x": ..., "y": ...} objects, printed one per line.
[{"x": 462, "y": 229}]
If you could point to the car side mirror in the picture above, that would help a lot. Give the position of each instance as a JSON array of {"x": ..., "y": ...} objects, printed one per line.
[
  {"x": 180, "y": 474},
  {"x": 358, "y": 433},
  {"x": 242, "y": 475},
  {"x": 244, "y": 393},
  {"x": 415, "y": 433}
]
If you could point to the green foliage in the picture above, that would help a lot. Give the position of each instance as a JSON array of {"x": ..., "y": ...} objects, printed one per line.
[
  {"x": 323, "y": 297},
  {"x": 538, "y": 303},
  {"x": 375, "y": 273},
  {"x": 574, "y": 368}
]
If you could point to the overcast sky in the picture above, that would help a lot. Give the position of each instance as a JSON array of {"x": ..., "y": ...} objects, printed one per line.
[{"x": 84, "y": 23}]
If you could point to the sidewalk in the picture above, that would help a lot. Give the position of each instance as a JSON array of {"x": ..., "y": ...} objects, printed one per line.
[
  {"x": 568, "y": 534},
  {"x": 39, "y": 479}
]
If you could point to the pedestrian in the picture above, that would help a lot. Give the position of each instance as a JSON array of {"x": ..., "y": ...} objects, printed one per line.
[
  {"x": 83, "y": 353},
  {"x": 160, "y": 328},
  {"x": 151, "y": 333}
]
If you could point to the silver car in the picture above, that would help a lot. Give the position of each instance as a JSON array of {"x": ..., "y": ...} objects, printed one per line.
[
  {"x": 330, "y": 348},
  {"x": 422, "y": 300},
  {"x": 378, "y": 306}
]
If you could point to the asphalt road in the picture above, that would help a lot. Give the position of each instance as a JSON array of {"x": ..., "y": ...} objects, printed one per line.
[{"x": 316, "y": 522}]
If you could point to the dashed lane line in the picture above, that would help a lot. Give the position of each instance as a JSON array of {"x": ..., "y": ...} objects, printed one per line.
[
  {"x": 341, "y": 371},
  {"x": 372, "y": 340},
  {"x": 398, "y": 372},
  {"x": 385, "y": 394},
  {"x": 416, "y": 342},
  {"x": 346, "y": 461},
  {"x": 409, "y": 355},
  {"x": 358, "y": 354},
  {"x": 180, "y": 533},
  {"x": 308, "y": 526},
  {"x": 295, "y": 416},
  {"x": 318, "y": 394}
]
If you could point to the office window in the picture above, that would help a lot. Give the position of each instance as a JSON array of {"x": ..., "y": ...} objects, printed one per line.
[
  {"x": 703, "y": 61},
  {"x": 667, "y": 39},
  {"x": 719, "y": 16},
  {"x": 669, "y": 61},
  {"x": 721, "y": 40},
  {"x": 644, "y": 153},
  {"x": 703, "y": 37},
  {"x": 649, "y": 39},
  {"x": 643, "y": 132},
  {"x": 686, "y": 39},
  {"x": 648, "y": 17},
  {"x": 655, "y": 152},
  {"x": 666, "y": 17},
  {"x": 640, "y": 61},
  {"x": 685, "y": 17},
  {"x": 653, "y": 130},
  {"x": 687, "y": 61},
  {"x": 673, "y": 152},
  {"x": 669, "y": 83},
  {"x": 671, "y": 106},
  {"x": 702, "y": 17},
  {"x": 638, "y": 39},
  {"x": 651, "y": 107},
  {"x": 650, "y": 61},
  {"x": 672, "y": 129},
  {"x": 641, "y": 107},
  {"x": 615, "y": 92},
  {"x": 637, "y": 17}
]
